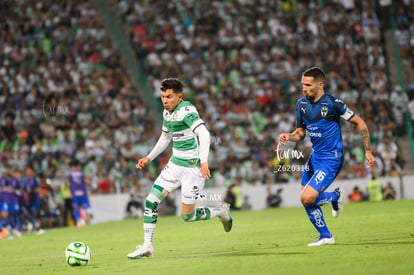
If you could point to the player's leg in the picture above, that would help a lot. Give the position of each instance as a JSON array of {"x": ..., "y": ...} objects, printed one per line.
[
  {"x": 152, "y": 201},
  {"x": 314, "y": 212},
  {"x": 16, "y": 220},
  {"x": 76, "y": 205},
  {"x": 33, "y": 215},
  {"x": 313, "y": 197},
  {"x": 165, "y": 183},
  {"x": 308, "y": 196},
  {"x": 192, "y": 185},
  {"x": 4, "y": 233},
  {"x": 86, "y": 212},
  {"x": 323, "y": 178}
]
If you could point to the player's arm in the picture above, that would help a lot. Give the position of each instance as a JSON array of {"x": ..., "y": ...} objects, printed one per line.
[
  {"x": 160, "y": 146},
  {"x": 363, "y": 130},
  {"x": 295, "y": 136},
  {"x": 204, "y": 149}
]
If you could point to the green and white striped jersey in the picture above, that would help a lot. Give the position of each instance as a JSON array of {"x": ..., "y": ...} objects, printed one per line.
[{"x": 181, "y": 124}]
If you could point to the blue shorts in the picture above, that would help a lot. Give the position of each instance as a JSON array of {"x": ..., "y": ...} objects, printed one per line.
[
  {"x": 80, "y": 202},
  {"x": 4, "y": 207},
  {"x": 33, "y": 208},
  {"x": 13, "y": 207},
  {"x": 322, "y": 172}
]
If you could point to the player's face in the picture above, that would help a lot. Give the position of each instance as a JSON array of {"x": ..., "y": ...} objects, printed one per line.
[
  {"x": 311, "y": 89},
  {"x": 170, "y": 100}
]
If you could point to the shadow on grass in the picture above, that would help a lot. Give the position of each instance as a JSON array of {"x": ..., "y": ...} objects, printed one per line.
[
  {"x": 240, "y": 253},
  {"x": 252, "y": 253},
  {"x": 384, "y": 241}
]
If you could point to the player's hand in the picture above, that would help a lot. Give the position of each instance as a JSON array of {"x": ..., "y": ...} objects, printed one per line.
[
  {"x": 142, "y": 163},
  {"x": 205, "y": 171},
  {"x": 283, "y": 138},
  {"x": 370, "y": 159}
]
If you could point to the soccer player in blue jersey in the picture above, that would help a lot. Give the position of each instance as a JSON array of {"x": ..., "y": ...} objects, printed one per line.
[
  {"x": 319, "y": 114},
  {"x": 80, "y": 199},
  {"x": 31, "y": 185},
  {"x": 4, "y": 206},
  {"x": 8, "y": 185}
]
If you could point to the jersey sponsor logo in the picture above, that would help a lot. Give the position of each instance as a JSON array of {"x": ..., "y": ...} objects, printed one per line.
[
  {"x": 315, "y": 134},
  {"x": 317, "y": 214},
  {"x": 324, "y": 111},
  {"x": 312, "y": 128},
  {"x": 192, "y": 117},
  {"x": 303, "y": 109},
  {"x": 177, "y": 135}
]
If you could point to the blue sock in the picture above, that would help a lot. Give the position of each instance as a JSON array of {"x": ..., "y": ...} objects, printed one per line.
[
  {"x": 315, "y": 215},
  {"x": 32, "y": 221},
  {"x": 77, "y": 216},
  {"x": 15, "y": 220},
  {"x": 325, "y": 198},
  {"x": 20, "y": 225},
  {"x": 6, "y": 221}
]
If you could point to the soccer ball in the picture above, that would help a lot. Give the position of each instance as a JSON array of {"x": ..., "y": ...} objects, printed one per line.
[{"x": 77, "y": 254}]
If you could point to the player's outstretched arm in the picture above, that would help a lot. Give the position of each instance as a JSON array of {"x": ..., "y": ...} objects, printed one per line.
[
  {"x": 363, "y": 130},
  {"x": 295, "y": 136},
  {"x": 159, "y": 147}
]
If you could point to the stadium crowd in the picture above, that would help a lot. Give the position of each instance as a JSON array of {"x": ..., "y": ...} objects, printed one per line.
[
  {"x": 241, "y": 62},
  {"x": 65, "y": 93}
]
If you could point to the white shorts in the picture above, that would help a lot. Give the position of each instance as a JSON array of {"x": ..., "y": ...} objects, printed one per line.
[{"x": 189, "y": 178}]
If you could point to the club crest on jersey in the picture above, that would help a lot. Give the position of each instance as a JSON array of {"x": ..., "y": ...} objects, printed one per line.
[{"x": 324, "y": 111}]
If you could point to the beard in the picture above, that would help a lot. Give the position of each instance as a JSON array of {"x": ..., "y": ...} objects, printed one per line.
[{"x": 311, "y": 98}]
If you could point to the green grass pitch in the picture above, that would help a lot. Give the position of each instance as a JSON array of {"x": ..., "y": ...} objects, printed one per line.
[{"x": 371, "y": 238}]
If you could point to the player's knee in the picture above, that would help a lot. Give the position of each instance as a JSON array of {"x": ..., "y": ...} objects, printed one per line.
[{"x": 306, "y": 200}]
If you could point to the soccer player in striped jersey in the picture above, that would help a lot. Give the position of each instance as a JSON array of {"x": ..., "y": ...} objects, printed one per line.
[
  {"x": 319, "y": 114},
  {"x": 187, "y": 167}
]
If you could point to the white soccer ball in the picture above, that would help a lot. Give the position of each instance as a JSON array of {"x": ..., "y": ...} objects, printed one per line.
[{"x": 77, "y": 254}]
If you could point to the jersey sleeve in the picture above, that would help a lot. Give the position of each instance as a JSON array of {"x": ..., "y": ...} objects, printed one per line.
[
  {"x": 299, "y": 120},
  {"x": 192, "y": 118},
  {"x": 164, "y": 127},
  {"x": 343, "y": 110}
]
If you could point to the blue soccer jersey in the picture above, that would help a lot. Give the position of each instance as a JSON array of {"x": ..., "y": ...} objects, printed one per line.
[{"x": 322, "y": 122}]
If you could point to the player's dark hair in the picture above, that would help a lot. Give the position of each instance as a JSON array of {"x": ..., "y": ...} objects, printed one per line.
[
  {"x": 315, "y": 72},
  {"x": 172, "y": 83}
]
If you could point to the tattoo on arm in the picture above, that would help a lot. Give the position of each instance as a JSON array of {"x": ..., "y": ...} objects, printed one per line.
[{"x": 365, "y": 139}]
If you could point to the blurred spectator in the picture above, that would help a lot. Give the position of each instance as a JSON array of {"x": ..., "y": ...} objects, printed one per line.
[
  {"x": 134, "y": 207},
  {"x": 246, "y": 203},
  {"x": 68, "y": 218},
  {"x": 355, "y": 195},
  {"x": 274, "y": 199},
  {"x": 105, "y": 186},
  {"x": 219, "y": 177},
  {"x": 374, "y": 189},
  {"x": 233, "y": 196},
  {"x": 168, "y": 207},
  {"x": 389, "y": 192}
]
